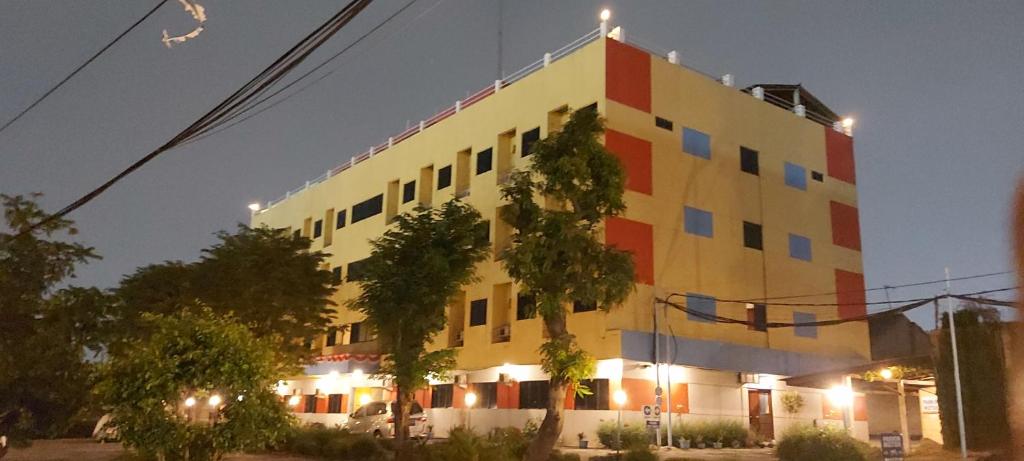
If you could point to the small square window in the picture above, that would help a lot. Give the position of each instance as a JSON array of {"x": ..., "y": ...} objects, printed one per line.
[
  {"x": 698, "y": 222},
  {"x": 526, "y": 307},
  {"x": 799, "y": 247},
  {"x": 297, "y": 233},
  {"x": 796, "y": 176},
  {"x": 340, "y": 222},
  {"x": 696, "y": 143},
  {"x": 441, "y": 395},
  {"x": 336, "y": 275},
  {"x": 592, "y": 107},
  {"x": 332, "y": 337},
  {"x": 701, "y": 308},
  {"x": 444, "y": 177},
  {"x": 580, "y": 306},
  {"x": 478, "y": 312},
  {"x": 817, "y": 176},
  {"x": 318, "y": 228},
  {"x": 752, "y": 237},
  {"x": 529, "y": 139},
  {"x": 355, "y": 332},
  {"x": 757, "y": 317},
  {"x": 409, "y": 192},
  {"x": 367, "y": 208},
  {"x": 749, "y": 161},
  {"x": 484, "y": 161},
  {"x": 806, "y": 331},
  {"x": 663, "y": 123},
  {"x": 334, "y": 403}
]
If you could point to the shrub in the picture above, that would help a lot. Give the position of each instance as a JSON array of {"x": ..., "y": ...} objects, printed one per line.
[
  {"x": 640, "y": 454},
  {"x": 806, "y": 443},
  {"x": 633, "y": 436},
  {"x": 726, "y": 430},
  {"x": 559, "y": 456},
  {"x": 332, "y": 443}
]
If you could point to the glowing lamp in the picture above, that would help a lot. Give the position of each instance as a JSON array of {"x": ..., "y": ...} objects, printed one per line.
[{"x": 619, "y": 397}]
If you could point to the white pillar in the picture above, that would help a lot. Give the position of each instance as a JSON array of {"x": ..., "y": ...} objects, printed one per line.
[
  {"x": 673, "y": 57},
  {"x": 728, "y": 80},
  {"x": 800, "y": 110},
  {"x": 547, "y": 59},
  {"x": 603, "y": 28},
  {"x": 904, "y": 427},
  {"x": 757, "y": 92},
  {"x": 497, "y": 85},
  {"x": 458, "y": 106}
]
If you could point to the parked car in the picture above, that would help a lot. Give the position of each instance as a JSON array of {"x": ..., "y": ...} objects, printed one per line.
[{"x": 377, "y": 418}]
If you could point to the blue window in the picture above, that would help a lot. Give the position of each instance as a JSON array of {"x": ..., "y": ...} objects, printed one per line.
[
  {"x": 810, "y": 331},
  {"x": 796, "y": 176},
  {"x": 696, "y": 143},
  {"x": 698, "y": 222},
  {"x": 699, "y": 304},
  {"x": 799, "y": 247}
]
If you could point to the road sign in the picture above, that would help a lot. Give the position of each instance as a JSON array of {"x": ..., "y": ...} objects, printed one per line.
[
  {"x": 653, "y": 424},
  {"x": 892, "y": 447}
]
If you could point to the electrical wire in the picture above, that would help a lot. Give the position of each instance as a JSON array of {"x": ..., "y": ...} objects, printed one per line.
[
  {"x": 868, "y": 290},
  {"x": 871, "y": 303},
  {"x": 265, "y": 79},
  {"x": 81, "y": 66}
]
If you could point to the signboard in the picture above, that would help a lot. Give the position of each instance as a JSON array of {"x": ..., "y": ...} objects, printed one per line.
[
  {"x": 929, "y": 403},
  {"x": 892, "y": 447},
  {"x": 652, "y": 414}
]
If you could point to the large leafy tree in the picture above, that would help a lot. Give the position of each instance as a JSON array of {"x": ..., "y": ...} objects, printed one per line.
[
  {"x": 44, "y": 331},
  {"x": 413, "y": 271},
  {"x": 265, "y": 279},
  {"x": 556, "y": 252},
  {"x": 213, "y": 359}
]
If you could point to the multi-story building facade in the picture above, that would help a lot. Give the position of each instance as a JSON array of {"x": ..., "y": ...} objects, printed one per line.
[{"x": 732, "y": 195}]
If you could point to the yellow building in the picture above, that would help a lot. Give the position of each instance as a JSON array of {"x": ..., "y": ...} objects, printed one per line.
[{"x": 732, "y": 195}]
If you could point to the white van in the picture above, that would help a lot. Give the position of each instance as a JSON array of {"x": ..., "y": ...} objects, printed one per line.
[{"x": 377, "y": 418}]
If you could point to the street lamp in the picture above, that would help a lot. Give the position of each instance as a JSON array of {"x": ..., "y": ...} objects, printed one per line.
[
  {"x": 886, "y": 373},
  {"x": 190, "y": 402},
  {"x": 842, "y": 396},
  {"x": 294, "y": 400},
  {"x": 214, "y": 400},
  {"x": 254, "y": 207},
  {"x": 470, "y": 400},
  {"x": 606, "y": 14},
  {"x": 620, "y": 400}
]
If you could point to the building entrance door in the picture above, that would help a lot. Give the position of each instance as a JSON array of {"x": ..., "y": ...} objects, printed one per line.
[{"x": 761, "y": 420}]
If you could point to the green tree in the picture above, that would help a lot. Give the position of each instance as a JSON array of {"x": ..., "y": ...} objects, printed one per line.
[
  {"x": 198, "y": 355},
  {"x": 414, "y": 269},
  {"x": 44, "y": 379},
  {"x": 265, "y": 279},
  {"x": 556, "y": 254}
]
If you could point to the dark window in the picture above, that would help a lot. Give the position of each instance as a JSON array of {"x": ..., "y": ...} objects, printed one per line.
[
  {"x": 799, "y": 247},
  {"x": 526, "y": 307},
  {"x": 590, "y": 107},
  {"x": 340, "y": 222},
  {"x": 444, "y": 177},
  {"x": 297, "y": 233},
  {"x": 441, "y": 396},
  {"x": 795, "y": 176},
  {"x": 533, "y": 394},
  {"x": 748, "y": 161},
  {"x": 752, "y": 236},
  {"x": 355, "y": 332},
  {"x": 663, "y": 123},
  {"x": 580, "y": 306},
  {"x": 332, "y": 336},
  {"x": 757, "y": 316},
  {"x": 310, "y": 402},
  {"x": 478, "y": 312},
  {"x": 336, "y": 275},
  {"x": 696, "y": 143},
  {"x": 486, "y": 394},
  {"x": 318, "y": 228},
  {"x": 598, "y": 398},
  {"x": 698, "y": 222},
  {"x": 484, "y": 161},
  {"x": 356, "y": 269},
  {"x": 334, "y": 403},
  {"x": 484, "y": 228},
  {"x": 367, "y": 208},
  {"x": 308, "y": 343},
  {"x": 409, "y": 192},
  {"x": 529, "y": 139},
  {"x": 817, "y": 176}
]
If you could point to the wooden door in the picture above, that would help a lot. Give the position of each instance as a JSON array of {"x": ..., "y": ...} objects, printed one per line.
[{"x": 761, "y": 419}]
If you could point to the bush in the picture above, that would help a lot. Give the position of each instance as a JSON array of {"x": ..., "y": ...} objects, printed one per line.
[
  {"x": 559, "y": 456},
  {"x": 633, "y": 436},
  {"x": 806, "y": 443},
  {"x": 332, "y": 443},
  {"x": 640, "y": 454},
  {"x": 726, "y": 430}
]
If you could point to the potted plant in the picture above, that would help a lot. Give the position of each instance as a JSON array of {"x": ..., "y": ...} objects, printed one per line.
[
  {"x": 700, "y": 441},
  {"x": 583, "y": 440},
  {"x": 718, "y": 444},
  {"x": 683, "y": 443}
]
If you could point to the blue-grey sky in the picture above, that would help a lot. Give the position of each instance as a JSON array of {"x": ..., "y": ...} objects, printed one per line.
[{"x": 935, "y": 87}]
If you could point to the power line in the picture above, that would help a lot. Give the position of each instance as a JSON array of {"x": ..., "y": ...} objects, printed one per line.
[
  {"x": 80, "y": 67},
  {"x": 868, "y": 290},
  {"x": 268, "y": 77}
]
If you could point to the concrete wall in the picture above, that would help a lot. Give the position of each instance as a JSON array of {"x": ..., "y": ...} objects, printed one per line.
[{"x": 885, "y": 414}]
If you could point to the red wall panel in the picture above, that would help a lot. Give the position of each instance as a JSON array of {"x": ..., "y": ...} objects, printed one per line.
[
  {"x": 635, "y": 156},
  {"x": 508, "y": 395},
  {"x": 637, "y": 238},
  {"x": 628, "y": 75},
  {"x": 845, "y": 226},
  {"x": 839, "y": 153},
  {"x": 850, "y": 294},
  {"x": 321, "y": 404}
]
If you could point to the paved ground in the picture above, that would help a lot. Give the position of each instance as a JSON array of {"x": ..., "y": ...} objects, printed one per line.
[{"x": 724, "y": 454}]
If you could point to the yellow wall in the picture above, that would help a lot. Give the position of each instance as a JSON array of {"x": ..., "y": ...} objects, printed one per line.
[{"x": 718, "y": 266}]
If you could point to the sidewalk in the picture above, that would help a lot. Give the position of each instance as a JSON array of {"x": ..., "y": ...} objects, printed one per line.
[{"x": 730, "y": 454}]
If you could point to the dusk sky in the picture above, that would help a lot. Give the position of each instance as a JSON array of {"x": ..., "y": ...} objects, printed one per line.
[{"x": 935, "y": 87}]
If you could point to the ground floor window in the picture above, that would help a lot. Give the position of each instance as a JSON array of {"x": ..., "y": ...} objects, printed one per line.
[
  {"x": 533, "y": 394},
  {"x": 334, "y": 403},
  {"x": 310, "y": 404},
  {"x": 486, "y": 395},
  {"x": 441, "y": 396},
  {"x": 598, "y": 397}
]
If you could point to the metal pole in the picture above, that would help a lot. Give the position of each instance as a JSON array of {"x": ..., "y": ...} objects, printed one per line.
[
  {"x": 902, "y": 395},
  {"x": 668, "y": 382},
  {"x": 657, "y": 365},
  {"x": 956, "y": 370},
  {"x": 848, "y": 408},
  {"x": 618, "y": 433}
]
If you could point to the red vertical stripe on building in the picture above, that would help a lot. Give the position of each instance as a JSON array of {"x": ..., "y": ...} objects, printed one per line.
[
  {"x": 839, "y": 153},
  {"x": 458, "y": 396},
  {"x": 321, "y": 405},
  {"x": 627, "y": 75},
  {"x": 423, "y": 397},
  {"x": 850, "y": 294},
  {"x": 637, "y": 238},
  {"x": 570, "y": 398},
  {"x": 508, "y": 395},
  {"x": 635, "y": 156},
  {"x": 845, "y": 226},
  {"x": 860, "y": 408}
]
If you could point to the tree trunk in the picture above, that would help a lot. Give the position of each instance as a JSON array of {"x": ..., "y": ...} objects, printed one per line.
[
  {"x": 401, "y": 415},
  {"x": 551, "y": 428}
]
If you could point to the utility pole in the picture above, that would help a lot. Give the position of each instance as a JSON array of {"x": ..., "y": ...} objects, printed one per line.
[{"x": 956, "y": 370}]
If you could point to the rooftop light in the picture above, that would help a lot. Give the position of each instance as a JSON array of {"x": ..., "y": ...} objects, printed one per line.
[{"x": 606, "y": 14}]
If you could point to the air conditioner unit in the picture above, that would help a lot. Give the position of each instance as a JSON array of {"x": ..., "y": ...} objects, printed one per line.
[
  {"x": 505, "y": 378},
  {"x": 747, "y": 378},
  {"x": 462, "y": 380},
  {"x": 504, "y": 332}
]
